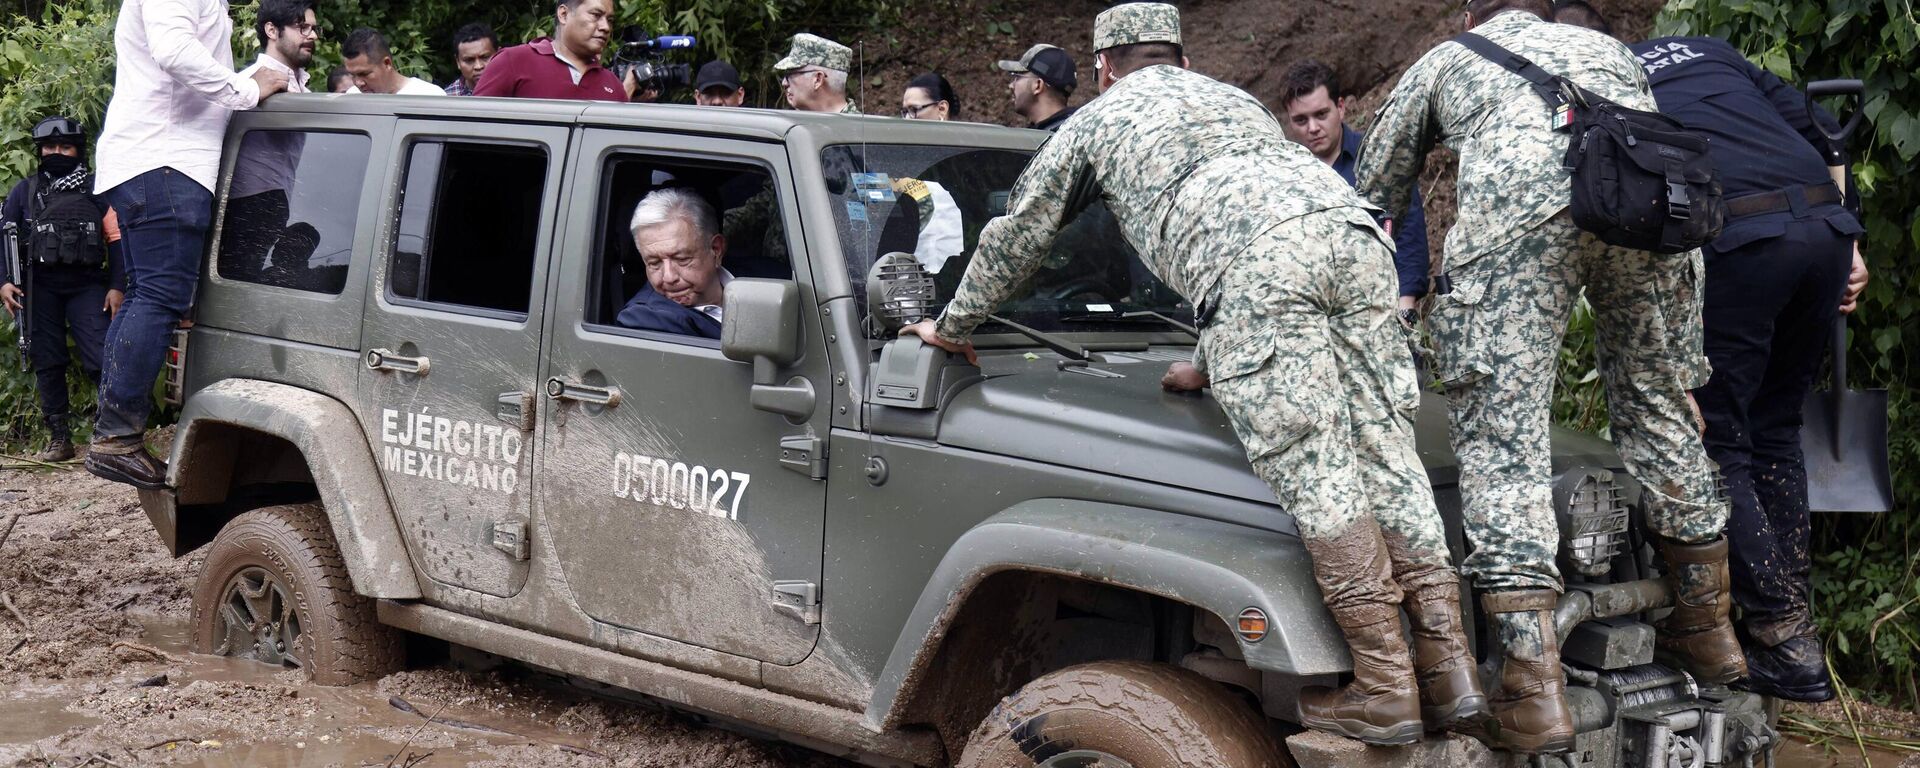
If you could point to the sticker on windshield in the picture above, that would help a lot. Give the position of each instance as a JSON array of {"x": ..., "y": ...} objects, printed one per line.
[
  {"x": 1103, "y": 308},
  {"x": 856, "y": 211},
  {"x": 870, "y": 181}
]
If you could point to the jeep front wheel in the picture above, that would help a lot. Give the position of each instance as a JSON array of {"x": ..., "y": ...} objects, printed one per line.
[
  {"x": 274, "y": 590},
  {"x": 1122, "y": 714}
]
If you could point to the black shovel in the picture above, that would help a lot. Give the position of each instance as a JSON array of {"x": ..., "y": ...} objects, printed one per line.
[{"x": 1845, "y": 433}]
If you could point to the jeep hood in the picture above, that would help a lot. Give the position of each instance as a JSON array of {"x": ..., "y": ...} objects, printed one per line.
[{"x": 1114, "y": 418}]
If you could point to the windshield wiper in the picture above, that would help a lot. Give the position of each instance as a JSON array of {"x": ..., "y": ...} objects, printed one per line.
[
  {"x": 1066, "y": 348},
  {"x": 1133, "y": 315}
]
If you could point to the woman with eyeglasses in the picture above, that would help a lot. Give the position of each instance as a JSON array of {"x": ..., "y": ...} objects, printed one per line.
[{"x": 929, "y": 97}]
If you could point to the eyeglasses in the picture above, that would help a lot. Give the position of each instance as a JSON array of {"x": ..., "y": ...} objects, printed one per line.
[
  {"x": 788, "y": 77},
  {"x": 305, "y": 29},
  {"x": 914, "y": 110}
]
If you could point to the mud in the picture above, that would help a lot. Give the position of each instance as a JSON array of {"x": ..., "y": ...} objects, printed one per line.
[{"x": 89, "y": 573}]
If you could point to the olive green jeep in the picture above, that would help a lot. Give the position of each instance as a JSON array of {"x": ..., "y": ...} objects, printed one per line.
[{"x": 410, "y": 406}]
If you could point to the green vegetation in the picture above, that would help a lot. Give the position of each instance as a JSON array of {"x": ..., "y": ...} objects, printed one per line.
[{"x": 1867, "y": 569}]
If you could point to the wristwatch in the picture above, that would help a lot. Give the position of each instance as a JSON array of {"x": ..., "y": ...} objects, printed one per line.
[{"x": 1409, "y": 317}]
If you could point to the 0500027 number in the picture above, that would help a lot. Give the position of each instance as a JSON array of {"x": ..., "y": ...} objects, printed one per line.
[{"x": 675, "y": 484}]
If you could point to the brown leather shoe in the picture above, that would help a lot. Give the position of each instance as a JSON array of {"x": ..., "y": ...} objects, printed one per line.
[
  {"x": 1450, "y": 694},
  {"x": 1381, "y": 705},
  {"x": 138, "y": 469},
  {"x": 1698, "y": 633},
  {"x": 1530, "y": 708}
]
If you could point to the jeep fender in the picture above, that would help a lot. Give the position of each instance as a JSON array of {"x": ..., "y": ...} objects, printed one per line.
[
  {"x": 335, "y": 449},
  {"x": 1214, "y": 566}
]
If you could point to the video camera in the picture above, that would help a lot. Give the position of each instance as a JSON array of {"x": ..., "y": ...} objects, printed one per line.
[{"x": 646, "y": 58}]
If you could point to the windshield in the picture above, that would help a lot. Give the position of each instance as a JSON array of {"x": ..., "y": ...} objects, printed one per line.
[{"x": 932, "y": 202}]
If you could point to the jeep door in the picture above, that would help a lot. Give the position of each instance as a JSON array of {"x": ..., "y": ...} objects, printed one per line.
[
  {"x": 675, "y": 508},
  {"x": 450, "y": 351}
]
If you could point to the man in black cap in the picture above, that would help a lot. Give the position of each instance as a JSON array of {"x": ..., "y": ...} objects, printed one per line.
[
  {"x": 1042, "y": 80},
  {"x": 717, "y": 84}
]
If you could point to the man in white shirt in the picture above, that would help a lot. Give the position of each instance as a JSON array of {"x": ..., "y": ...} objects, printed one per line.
[
  {"x": 258, "y": 197},
  {"x": 159, "y": 151},
  {"x": 367, "y": 57}
]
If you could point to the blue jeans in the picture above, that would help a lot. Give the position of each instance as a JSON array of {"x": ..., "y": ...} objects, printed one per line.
[{"x": 163, "y": 230}]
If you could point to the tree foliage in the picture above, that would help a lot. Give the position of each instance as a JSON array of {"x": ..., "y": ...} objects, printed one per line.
[{"x": 1867, "y": 573}]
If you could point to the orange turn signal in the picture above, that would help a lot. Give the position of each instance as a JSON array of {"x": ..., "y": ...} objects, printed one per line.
[{"x": 1253, "y": 625}]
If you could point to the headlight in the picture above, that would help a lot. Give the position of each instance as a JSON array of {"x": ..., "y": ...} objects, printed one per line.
[{"x": 1592, "y": 511}]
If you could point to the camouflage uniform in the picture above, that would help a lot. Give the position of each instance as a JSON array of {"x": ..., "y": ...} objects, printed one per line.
[
  {"x": 759, "y": 218},
  {"x": 1517, "y": 265},
  {"x": 1303, "y": 351}
]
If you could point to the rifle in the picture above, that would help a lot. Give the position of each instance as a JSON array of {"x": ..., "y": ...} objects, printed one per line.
[{"x": 17, "y": 269}]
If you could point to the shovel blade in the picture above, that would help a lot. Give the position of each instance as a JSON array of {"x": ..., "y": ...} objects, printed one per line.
[{"x": 1847, "y": 455}]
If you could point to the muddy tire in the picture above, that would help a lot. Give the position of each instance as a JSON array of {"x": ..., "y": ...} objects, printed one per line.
[
  {"x": 1131, "y": 713},
  {"x": 274, "y": 589}
]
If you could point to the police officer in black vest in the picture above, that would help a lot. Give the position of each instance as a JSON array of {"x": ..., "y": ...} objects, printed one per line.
[
  {"x": 69, "y": 251},
  {"x": 1784, "y": 266}
]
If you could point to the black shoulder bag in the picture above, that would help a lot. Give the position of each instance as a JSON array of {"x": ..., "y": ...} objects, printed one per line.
[{"x": 1640, "y": 179}]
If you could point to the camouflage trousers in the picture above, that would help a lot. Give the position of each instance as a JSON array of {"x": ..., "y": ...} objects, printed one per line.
[
  {"x": 1496, "y": 339},
  {"x": 1317, "y": 378}
]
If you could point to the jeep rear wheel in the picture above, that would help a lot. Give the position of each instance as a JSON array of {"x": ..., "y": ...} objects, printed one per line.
[
  {"x": 275, "y": 590},
  {"x": 1122, "y": 714}
]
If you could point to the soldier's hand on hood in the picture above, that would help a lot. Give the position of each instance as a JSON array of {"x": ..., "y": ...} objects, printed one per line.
[
  {"x": 925, "y": 330},
  {"x": 1183, "y": 377},
  {"x": 10, "y": 295}
]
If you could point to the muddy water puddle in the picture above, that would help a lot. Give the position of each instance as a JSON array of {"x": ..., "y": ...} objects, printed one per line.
[{"x": 217, "y": 712}]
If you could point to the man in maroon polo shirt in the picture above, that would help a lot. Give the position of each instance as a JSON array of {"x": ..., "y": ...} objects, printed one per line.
[{"x": 565, "y": 66}]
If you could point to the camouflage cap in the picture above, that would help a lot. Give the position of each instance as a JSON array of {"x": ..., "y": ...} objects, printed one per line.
[
  {"x": 1131, "y": 23},
  {"x": 814, "y": 51}
]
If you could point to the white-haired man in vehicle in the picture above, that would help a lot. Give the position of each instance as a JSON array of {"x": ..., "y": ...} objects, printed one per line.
[{"x": 678, "y": 235}]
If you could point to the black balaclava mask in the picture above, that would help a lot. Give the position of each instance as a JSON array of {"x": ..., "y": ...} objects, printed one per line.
[{"x": 58, "y": 165}]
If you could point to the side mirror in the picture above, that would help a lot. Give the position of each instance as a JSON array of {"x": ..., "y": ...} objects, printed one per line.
[
  {"x": 761, "y": 321},
  {"x": 760, "y": 324}
]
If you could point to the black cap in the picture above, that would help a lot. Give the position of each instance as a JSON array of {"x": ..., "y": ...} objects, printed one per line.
[
  {"x": 717, "y": 74},
  {"x": 1052, "y": 65}
]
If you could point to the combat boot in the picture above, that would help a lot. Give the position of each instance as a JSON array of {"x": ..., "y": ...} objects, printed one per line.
[
  {"x": 1530, "y": 707},
  {"x": 1698, "y": 632},
  {"x": 1381, "y": 705},
  {"x": 60, "y": 447},
  {"x": 1450, "y": 694}
]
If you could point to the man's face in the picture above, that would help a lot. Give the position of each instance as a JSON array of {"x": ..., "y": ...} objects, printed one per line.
[
  {"x": 585, "y": 28},
  {"x": 59, "y": 149},
  {"x": 1314, "y": 120},
  {"x": 681, "y": 265},
  {"x": 720, "y": 96},
  {"x": 472, "y": 57},
  {"x": 1025, "y": 88},
  {"x": 293, "y": 44},
  {"x": 801, "y": 86},
  {"x": 372, "y": 76}
]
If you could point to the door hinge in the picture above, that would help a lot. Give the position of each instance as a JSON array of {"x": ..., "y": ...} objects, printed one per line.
[
  {"x": 800, "y": 598},
  {"x": 511, "y": 537},
  {"x": 804, "y": 454},
  {"x": 516, "y": 408}
]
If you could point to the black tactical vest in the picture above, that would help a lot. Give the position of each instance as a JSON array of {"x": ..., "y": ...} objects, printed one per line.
[{"x": 63, "y": 227}]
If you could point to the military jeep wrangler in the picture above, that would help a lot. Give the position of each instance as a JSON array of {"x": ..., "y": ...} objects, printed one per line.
[{"x": 409, "y": 408}]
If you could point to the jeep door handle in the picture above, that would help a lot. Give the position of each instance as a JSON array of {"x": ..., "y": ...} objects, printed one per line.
[
  {"x": 386, "y": 360},
  {"x": 561, "y": 389}
]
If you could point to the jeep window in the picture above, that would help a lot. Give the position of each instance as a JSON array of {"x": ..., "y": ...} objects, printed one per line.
[
  {"x": 732, "y": 190},
  {"x": 469, "y": 219},
  {"x": 932, "y": 202},
  {"x": 291, "y": 209}
]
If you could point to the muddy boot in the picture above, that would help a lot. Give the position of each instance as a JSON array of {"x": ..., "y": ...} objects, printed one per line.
[
  {"x": 60, "y": 448},
  {"x": 1530, "y": 708},
  {"x": 1698, "y": 633},
  {"x": 1381, "y": 705},
  {"x": 1450, "y": 695}
]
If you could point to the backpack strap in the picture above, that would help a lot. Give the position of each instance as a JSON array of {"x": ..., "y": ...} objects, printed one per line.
[
  {"x": 34, "y": 204},
  {"x": 1548, "y": 85}
]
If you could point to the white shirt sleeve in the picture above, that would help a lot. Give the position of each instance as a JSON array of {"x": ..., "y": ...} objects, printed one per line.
[{"x": 170, "y": 37}]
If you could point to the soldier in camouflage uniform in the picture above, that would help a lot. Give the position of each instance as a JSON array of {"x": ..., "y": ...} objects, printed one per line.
[
  {"x": 813, "y": 75},
  {"x": 1297, "y": 336},
  {"x": 1515, "y": 266}
]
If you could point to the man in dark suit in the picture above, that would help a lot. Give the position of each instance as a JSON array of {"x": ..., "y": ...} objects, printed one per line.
[{"x": 678, "y": 235}]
